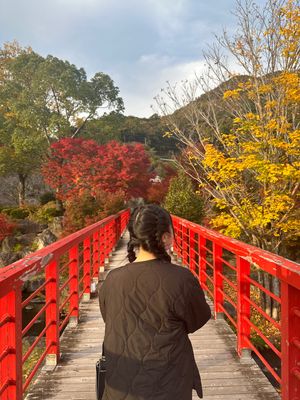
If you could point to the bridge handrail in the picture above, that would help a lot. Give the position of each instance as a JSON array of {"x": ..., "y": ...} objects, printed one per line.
[
  {"x": 70, "y": 264},
  {"x": 202, "y": 249}
]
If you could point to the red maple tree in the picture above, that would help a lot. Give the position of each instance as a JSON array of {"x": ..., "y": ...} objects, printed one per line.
[
  {"x": 75, "y": 166},
  {"x": 158, "y": 190}
]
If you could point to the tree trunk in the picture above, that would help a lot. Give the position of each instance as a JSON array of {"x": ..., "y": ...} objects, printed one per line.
[
  {"x": 262, "y": 294},
  {"x": 22, "y": 189},
  {"x": 275, "y": 305},
  {"x": 267, "y": 284}
]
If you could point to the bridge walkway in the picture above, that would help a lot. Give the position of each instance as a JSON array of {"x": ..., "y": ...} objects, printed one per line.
[{"x": 224, "y": 375}]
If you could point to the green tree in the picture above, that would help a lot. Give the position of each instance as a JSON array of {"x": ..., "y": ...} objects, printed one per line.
[
  {"x": 182, "y": 200},
  {"x": 22, "y": 156},
  {"x": 41, "y": 101}
]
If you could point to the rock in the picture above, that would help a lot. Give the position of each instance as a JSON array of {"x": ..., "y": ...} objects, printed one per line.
[
  {"x": 26, "y": 226},
  {"x": 14, "y": 244},
  {"x": 56, "y": 226},
  {"x": 8, "y": 244},
  {"x": 44, "y": 239},
  {"x": 8, "y": 258}
]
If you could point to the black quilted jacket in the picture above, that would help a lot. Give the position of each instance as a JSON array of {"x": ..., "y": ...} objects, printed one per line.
[{"x": 149, "y": 308}]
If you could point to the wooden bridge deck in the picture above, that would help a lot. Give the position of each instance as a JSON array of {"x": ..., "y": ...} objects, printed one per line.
[{"x": 224, "y": 375}]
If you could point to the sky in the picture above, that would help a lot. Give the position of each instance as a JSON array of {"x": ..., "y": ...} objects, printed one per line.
[{"x": 140, "y": 44}]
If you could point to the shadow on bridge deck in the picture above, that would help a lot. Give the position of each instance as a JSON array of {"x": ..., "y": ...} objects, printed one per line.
[{"x": 224, "y": 375}]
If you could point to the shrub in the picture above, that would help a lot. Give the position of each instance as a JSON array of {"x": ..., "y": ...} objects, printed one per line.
[
  {"x": 17, "y": 212},
  {"x": 46, "y": 213},
  {"x": 182, "y": 200},
  {"x": 86, "y": 209},
  {"x": 47, "y": 197},
  {"x": 6, "y": 226},
  {"x": 17, "y": 247}
]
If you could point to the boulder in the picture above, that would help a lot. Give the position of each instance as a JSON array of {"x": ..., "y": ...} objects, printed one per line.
[
  {"x": 8, "y": 258},
  {"x": 44, "y": 239},
  {"x": 26, "y": 226},
  {"x": 56, "y": 226},
  {"x": 8, "y": 244},
  {"x": 14, "y": 244}
]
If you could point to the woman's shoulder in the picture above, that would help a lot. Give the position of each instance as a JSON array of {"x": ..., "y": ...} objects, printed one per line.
[{"x": 160, "y": 266}]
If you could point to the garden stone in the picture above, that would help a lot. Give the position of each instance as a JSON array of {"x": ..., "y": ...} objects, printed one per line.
[
  {"x": 56, "y": 226},
  {"x": 44, "y": 239},
  {"x": 26, "y": 226},
  {"x": 8, "y": 258}
]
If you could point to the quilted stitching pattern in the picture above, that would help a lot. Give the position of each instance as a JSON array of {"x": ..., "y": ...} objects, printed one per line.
[{"x": 149, "y": 309}]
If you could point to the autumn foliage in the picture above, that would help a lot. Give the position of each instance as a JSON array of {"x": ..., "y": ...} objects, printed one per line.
[
  {"x": 78, "y": 166},
  {"x": 158, "y": 190},
  {"x": 242, "y": 142},
  {"x": 85, "y": 209},
  {"x": 6, "y": 226}
]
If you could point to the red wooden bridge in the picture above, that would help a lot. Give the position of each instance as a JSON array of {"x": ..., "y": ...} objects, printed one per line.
[{"x": 59, "y": 362}]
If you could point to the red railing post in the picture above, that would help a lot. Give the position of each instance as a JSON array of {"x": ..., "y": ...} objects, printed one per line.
[
  {"x": 52, "y": 313},
  {"x": 202, "y": 258},
  {"x": 106, "y": 243},
  {"x": 11, "y": 345},
  {"x": 218, "y": 280},
  {"x": 179, "y": 241},
  {"x": 192, "y": 252},
  {"x": 185, "y": 238},
  {"x": 290, "y": 341},
  {"x": 86, "y": 269},
  {"x": 112, "y": 236},
  {"x": 115, "y": 234},
  {"x": 175, "y": 246},
  {"x": 95, "y": 256},
  {"x": 102, "y": 249},
  {"x": 74, "y": 285},
  {"x": 243, "y": 306}
]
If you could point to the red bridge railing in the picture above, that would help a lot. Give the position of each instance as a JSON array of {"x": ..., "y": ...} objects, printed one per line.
[
  {"x": 63, "y": 273},
  {"x": 228, "y": 270}
]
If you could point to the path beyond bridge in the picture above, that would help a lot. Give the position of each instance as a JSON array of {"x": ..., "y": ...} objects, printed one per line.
[{"x": 225, "y": 376}]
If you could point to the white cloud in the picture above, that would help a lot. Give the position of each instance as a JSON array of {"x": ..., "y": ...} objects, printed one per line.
[
  {"x": 151, "y": 76},
  {"x": 140, "y": 43}
]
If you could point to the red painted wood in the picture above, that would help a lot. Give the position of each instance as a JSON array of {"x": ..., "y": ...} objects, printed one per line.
[
  {"x": 74, "y": 285},
  {"x": 52, "y": 311},
  {"x": 185, "y": 244},
  {"x": 285, "y": 270},
  {"x": 11, "y": 345},
  {"x": 192, "y": 252},
  {"x": 87, "y": 265},
  {"x": 202, "y": 264},
  {"x": 102, "y": 247},
  {"x": 11, "y": 280},
  {"x": 37, "y": 261},
  {"x": 243, "y": 306},
  {"x": 290, "y": 361},
  {"x": 218, "y": 279},
  {"x": 96, "y": 255}
]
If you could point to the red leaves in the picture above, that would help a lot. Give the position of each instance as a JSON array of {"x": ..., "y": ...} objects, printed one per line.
[
  {"x": 158, "y": 190},
  {"x": 6, "y": 227},
  {"x": 77, "y": 165}
]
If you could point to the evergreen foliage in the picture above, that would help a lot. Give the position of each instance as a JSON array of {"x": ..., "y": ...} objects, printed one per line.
[{"x": 182, "y": 200}]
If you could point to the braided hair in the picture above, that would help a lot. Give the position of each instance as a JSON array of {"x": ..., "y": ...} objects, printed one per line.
[{"x": 146, "y": 227}]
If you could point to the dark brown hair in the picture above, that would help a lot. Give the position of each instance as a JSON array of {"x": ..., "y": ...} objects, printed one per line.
[{"x": 146, "y": 226}]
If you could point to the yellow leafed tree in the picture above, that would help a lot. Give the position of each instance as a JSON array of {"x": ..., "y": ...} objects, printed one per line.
[{"x": 242, "y": 140}]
